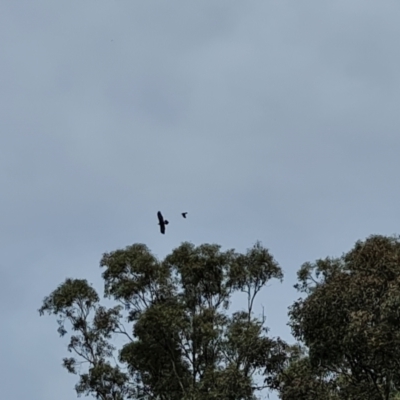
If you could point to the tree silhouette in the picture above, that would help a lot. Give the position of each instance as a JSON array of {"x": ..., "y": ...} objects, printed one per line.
[
  {"x": 181, "y": 343},
  {"x": 349, "y": 325}
]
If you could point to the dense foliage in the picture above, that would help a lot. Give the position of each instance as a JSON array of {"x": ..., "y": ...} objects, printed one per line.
[
  {"x": 180, "y": 342},
  {"x": 349, "y": 323}
]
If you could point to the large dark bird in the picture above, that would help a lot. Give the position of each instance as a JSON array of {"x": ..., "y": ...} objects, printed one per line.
[
  {"x": 162, "y": 222},
  {"x": 184, "y": 214}
]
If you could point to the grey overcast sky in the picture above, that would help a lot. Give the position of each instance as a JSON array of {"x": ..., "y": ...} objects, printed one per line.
[{"x": 266, "y": 120}]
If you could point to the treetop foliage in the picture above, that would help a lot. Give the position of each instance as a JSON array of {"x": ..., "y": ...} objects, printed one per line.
[
  {"x": 350, "y": 320},
  {"x": 182, "y": 343}
]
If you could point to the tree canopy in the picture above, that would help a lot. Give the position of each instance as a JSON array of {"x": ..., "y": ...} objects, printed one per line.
[
  {"x": 349, "y": 325},
  {"x": 179, "y": 342}
]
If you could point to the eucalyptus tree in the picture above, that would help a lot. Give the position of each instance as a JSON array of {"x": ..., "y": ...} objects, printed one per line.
[
  {"x": 349, "y": 325},
  {"x": 177, "y": 338}
]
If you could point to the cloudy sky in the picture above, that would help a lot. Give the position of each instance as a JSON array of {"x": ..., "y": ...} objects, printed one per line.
[{"x": 272, "y": 120}]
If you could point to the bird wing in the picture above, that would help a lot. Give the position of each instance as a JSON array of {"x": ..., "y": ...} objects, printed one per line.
[
  {"x": 160, "y": 217},
  {"x": 162, "y": 228}
]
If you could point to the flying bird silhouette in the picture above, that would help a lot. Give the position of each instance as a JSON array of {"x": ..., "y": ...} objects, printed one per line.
[
  {"x": 184, "y": 214},
  {"x": 162, "y": 222}
]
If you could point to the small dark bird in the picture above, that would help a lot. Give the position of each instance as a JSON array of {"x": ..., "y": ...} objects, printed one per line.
[
  {"x": 162, "y": 222},
  {"x": 184, "y": 214}
]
